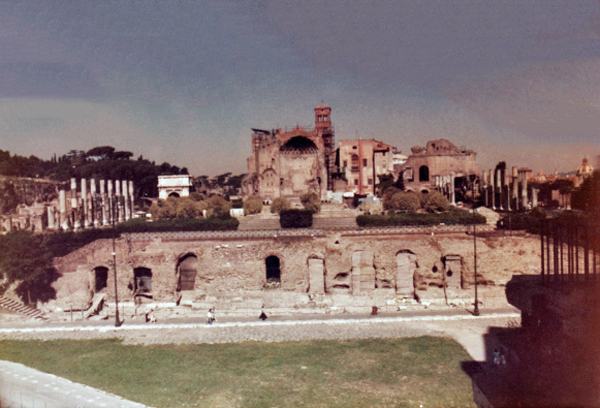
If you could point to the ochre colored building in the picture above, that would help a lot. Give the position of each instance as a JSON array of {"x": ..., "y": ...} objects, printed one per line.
[
  {"x": 439, "y": 165},
  {"x": 361, "y": 162}
]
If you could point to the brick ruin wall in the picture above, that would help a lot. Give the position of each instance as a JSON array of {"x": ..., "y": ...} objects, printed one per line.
[{"x": 355, "y": 264}]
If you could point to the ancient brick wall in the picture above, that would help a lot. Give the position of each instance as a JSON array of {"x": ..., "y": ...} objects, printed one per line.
[{"x": 353, "y": 262}]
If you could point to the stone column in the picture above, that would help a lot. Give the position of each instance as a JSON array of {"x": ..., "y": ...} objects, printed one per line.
[
  {"x": 515, "y": 187},
  {"x": 84, "y": 203},
  {"x": 499, "y": 188},
  {"x": 493, "y": 188},
  {"x": 524, "y": 193},
  {"x": 74, "y": 206},
  {"x": 534, "y": 201},
  {"x": 110, "y": 202},
  {"x": 104, "y": 201},
  {"x": 452, "y": 190},
  {"x": 484, "y": 179},
  {"x": 505, "y": 189},
  {"x": 94, "y": 220},
  {"x": 51, "y": 221},
  {"x": 127, "y": 211},
  {"x": 119, "y": 215},
  {"x": 131, "y": 197},
  {"x": 62, "y": 203}
]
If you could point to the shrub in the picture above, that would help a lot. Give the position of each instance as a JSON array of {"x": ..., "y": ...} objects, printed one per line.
[
  {"x": 405, "y": 202},
  {"x": 237, "y": 203},
  {"x": 253, "y": 205},
  {"x": 434, "y": 201},
  {"x": 218, "y": 207},
  {"x": 296, "y": 218},
  {"x": 387, "y": 197},
  {"x": 530, "y": 221},
  {"x": 280, "y": 204},
  {"x": 455, "y": 216},
  {"x": 196, "y": 196},
  {"x": 311, "y": 201}
]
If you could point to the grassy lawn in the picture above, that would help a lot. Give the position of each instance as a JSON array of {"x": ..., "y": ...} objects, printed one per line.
[{"x": 403, "y": 372}]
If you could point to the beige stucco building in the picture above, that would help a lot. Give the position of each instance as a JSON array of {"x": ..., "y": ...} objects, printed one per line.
[{"x": 361, "y": 162}]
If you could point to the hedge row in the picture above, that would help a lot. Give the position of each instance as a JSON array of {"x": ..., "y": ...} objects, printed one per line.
[
  {"x": 454, "y": 216},
  {"x": 62, "y": 243},
  {"x": 296, "y": 218}
]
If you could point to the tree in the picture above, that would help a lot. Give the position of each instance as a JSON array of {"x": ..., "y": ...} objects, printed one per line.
[
  {"x": 434, "y": 201},
  {"x": 405, "y": 202},
  {"x": 27, "y": 261},
  {"x": 385, "y": 181},
  {"x": 218, "y": 207},
  {"x": 311, "y": 201},
  {"x": 253, "y": 205},
  {"x": 387, "y": 197},
  {"x": 280, "y": 204},
  {"x": 399, "y": 184}
]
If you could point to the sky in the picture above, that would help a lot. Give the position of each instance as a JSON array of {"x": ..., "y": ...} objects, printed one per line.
[{"x": 185, "y": 81}]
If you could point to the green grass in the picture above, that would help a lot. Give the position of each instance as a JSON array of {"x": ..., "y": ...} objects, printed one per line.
[{"x": 403, "y": 372}]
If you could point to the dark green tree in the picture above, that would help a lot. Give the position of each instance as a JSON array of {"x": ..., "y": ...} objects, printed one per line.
[{"x": 27, "y": 261}]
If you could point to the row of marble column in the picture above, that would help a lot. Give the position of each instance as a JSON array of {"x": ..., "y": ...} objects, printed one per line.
[
  {"x": 445, "y": 184},
  {"x": 502, "y": 192},
  {"x": 93, "y": 207}
]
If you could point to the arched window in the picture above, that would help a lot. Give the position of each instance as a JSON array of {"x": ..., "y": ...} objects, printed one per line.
[
  {"x": 273, "y": 271},
  {"x": 143, "y": 280},
  {"x": 100, "y": 278},
  {"x": 354, "y": 162},
  {"x": 424, "y": 173}
]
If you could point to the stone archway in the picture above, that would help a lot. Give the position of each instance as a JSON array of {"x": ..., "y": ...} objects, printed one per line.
[
  {"x": 273, "y": 271},
  {"x": 142, "y": 281},
  {"x": 406, "y": 265},
  {"x": 187, "y": 269},
  {"x": 100, "y": 278}
]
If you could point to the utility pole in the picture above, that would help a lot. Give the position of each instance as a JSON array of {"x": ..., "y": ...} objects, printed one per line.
[{"x": 118, "y": 322}]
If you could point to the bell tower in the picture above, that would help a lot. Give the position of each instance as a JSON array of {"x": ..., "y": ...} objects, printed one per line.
[
  {"x": 322, "y": 118},
  {"x": 324, "y": 129}
]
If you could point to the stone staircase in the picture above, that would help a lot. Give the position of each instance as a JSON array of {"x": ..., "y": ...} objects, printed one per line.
[
  {"x": 490, "y": 215},
  {"x": 20, "y": 308}
]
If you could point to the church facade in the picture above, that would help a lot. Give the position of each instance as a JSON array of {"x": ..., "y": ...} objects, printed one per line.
[{"x": 291, "y": 162}]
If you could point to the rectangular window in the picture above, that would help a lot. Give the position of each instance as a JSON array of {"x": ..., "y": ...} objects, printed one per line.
[
  {"x": 356, "y": 182},
  {"x": 345, "y": 163},
  {"x": 370, "y": 182},
  {"x": 364, "y": 162}
]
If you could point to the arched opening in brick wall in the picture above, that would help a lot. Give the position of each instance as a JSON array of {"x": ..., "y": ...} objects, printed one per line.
[
  {"x": 100, "y": 278},
  {"x": 174, "y": 194},
  {"x": 423, "y": 173},
  {"x": 299, "y": 144},
  {"x": 273, "y": 270},
  {"x": 187, "y": 268},
  {"x": 142, "y": 281}
]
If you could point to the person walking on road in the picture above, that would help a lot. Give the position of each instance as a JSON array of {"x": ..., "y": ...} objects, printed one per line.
[
  {"x": 263, "y": 315},
  {"x": 211, "y": 316}
]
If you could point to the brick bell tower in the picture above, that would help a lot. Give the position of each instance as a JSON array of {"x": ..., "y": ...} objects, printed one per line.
[{"x": 324, "y": 129}]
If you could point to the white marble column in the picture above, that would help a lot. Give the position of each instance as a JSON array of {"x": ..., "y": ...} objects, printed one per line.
[
  {"x": 127, "y": 211},
  {"x": 84, "y": 203},
  {"x": 452, "y": 190},
  {"x": 534, "y": 198},
  {"x": 131, "y": 197},
  {"x": 62, "y": 203},
  {"x": 74, "y": 209},
  {"x": 104, "y": 202},
  {"x": 110, "y": 202},
  {"x": 51, "y": 221},
  {"x": 524, "y": 194},
  {"x": 515, "y": 187}
]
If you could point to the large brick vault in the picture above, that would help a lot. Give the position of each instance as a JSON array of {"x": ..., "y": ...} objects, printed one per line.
[{"x": 166, "y": 267}]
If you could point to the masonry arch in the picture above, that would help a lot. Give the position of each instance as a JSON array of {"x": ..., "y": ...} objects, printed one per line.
[
  {"x": 100, "y": 278},
  {"x": 299, "y": 144},
  {"x": 142, "y": 281},
  {"x": 423, "y": 173},
  {"x": 174, "y": 194},
  {"x": 273, "y": 271},
  {"x": 186, "y": 271},
  {"x": 406, "y": 265}
]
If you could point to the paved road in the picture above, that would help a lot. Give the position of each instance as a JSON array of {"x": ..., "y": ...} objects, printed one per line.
[
  {"x": 24, "y": 387},
  {"x": 458, "y": 324}
]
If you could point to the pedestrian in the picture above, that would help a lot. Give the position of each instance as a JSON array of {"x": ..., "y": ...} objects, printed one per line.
[
  {"x": 210, "y": 315},
  {"x": 263, "y": 315}
]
